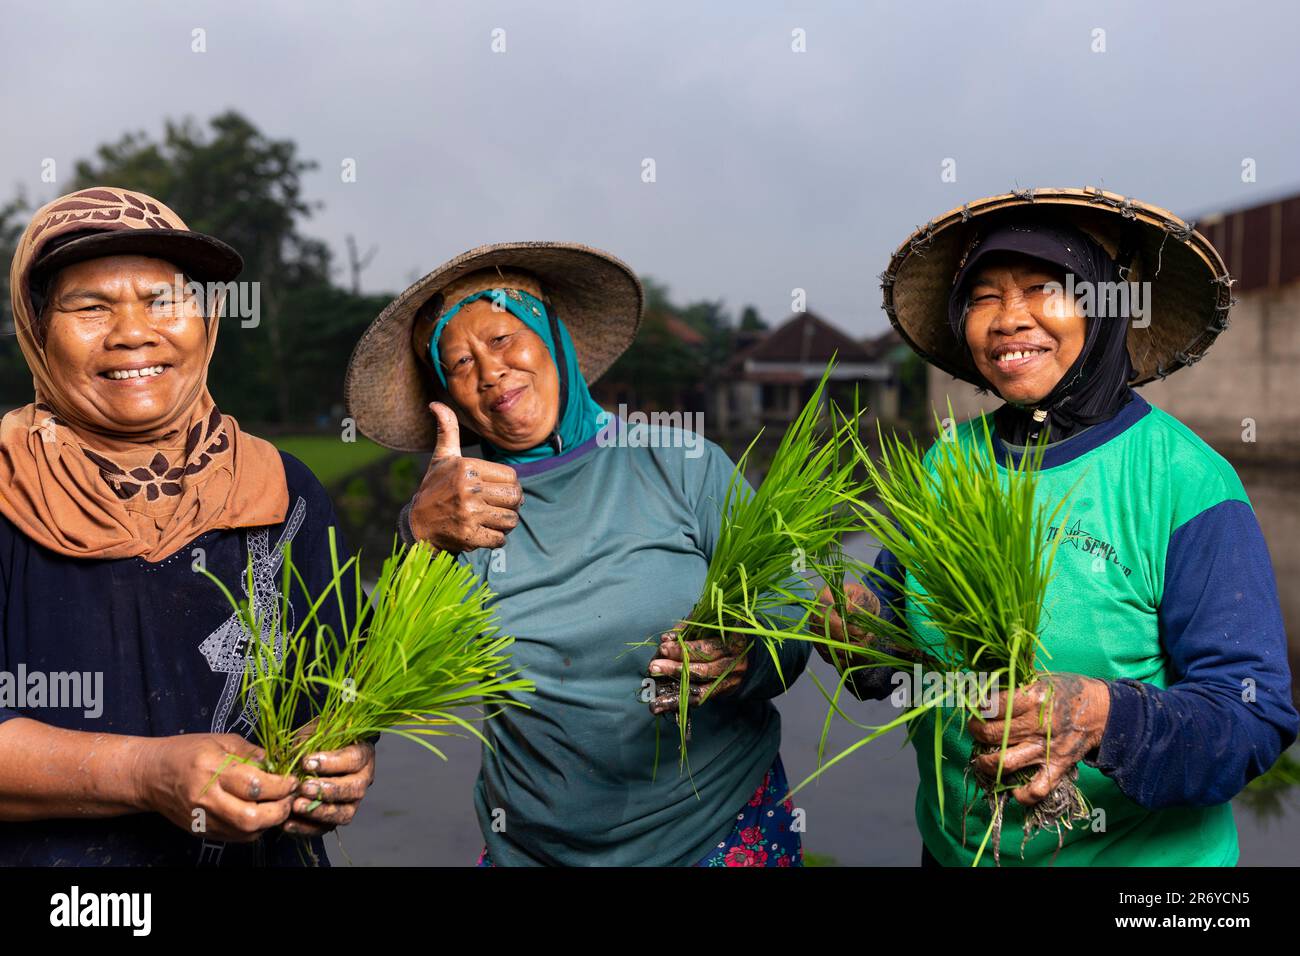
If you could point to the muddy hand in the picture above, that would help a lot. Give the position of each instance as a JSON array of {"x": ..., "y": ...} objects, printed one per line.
[
  {"x": 332, "y": 794},
  {"x": 1055, "y": 722},
  {"x": 828, "y": 621},
  {"x": 463, "y": 503},
  {"x": 711, "y": 658},
  {"x": 210, "y": 784}
]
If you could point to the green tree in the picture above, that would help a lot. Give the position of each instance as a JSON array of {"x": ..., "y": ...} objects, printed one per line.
[
  {"x": 321, "y": 326},
  {"x": 15, "y": 377},
  {"x": 710, "y": 320},
  {"x": 230, "y": 180},
  {"x": 660, "y": 369},
  {"x": 12, "y": 222},
  {"x": 233, "y": 182},
  {"x": 751, "y": 321}
]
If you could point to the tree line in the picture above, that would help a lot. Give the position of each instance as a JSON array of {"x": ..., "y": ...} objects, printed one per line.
[{"x": 229, "y": 179}]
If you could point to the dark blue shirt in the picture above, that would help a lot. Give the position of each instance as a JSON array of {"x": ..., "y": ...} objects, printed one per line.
[{"x": 170, "y": 655}]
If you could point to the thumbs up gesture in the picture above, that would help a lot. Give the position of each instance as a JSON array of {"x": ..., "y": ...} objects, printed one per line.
[{"x": 463, "y": 503}]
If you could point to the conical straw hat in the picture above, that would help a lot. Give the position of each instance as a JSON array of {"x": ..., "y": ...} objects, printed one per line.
[
  {"x": 1190, "y": 287},
  {"x": 597, "y": 296}
]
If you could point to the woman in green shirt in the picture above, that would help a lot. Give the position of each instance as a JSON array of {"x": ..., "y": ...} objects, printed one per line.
[
  {"x": 594, "y": 536},
  {"x": 1165, "y": 636}
]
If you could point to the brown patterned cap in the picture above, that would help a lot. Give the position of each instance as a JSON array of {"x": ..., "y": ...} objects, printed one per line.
[{"x": 106, "y": 221}]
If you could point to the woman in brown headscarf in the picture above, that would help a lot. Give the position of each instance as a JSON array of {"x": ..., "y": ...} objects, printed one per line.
[{"x": 120, "y": 666}]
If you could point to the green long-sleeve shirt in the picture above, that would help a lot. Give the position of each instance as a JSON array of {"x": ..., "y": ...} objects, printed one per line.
[{"x": 611, "y": 550}]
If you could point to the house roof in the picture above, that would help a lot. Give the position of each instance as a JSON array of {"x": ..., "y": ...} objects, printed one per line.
[
  {"x": 682, "y": 332},
  {"x": 804, "y": 337},
  {"x": 879, "y": 346},
  {"x": 1260, "y": 244}
]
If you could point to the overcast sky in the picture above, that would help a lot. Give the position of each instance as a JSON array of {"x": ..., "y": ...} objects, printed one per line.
[{"x": 774, "y": 169}]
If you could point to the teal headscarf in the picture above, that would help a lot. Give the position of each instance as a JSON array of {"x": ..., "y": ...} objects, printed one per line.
[{"x": 580, "y": 418}]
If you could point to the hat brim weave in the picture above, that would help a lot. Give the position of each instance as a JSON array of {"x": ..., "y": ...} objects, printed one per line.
[
  {"x": 1190, "y": 286},
  {"x": 597, "y": 296}
]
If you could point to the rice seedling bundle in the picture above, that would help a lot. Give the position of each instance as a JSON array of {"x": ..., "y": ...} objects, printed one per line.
[
  {"x": 769, "y": 537},
  {"x": 407, "y": 662},
  {"x": 975, "y": 546}
]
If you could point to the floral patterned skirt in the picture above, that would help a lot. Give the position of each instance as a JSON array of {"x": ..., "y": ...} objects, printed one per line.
[{"x": 764, "y": 834}]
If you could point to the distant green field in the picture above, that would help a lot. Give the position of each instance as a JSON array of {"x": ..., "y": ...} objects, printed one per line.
[{"x": 328, "y": 456}]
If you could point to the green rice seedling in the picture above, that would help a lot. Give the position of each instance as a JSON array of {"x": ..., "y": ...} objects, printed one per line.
[
  {"x": 975, "y": 545},
  {"x": 409, "y": 661},
  {"x": 770, "y": 537}
]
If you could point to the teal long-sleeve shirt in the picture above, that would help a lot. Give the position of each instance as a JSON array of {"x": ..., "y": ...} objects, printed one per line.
[{"x": 611, "y": 550}]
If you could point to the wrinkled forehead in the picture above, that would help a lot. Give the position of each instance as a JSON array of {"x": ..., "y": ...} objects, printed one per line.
[
  {"x": 117, "y": 272},
  {"x": 477, "y": 319},
  {"x": 427, "y": 316},
  {"x": 115, "y": 278}
]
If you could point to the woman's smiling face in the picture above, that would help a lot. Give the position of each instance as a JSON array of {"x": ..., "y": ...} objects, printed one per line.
[
  {"x": 127, "y": 357},
  {"x": 500, "y": 376},
  {"x": 1022, "y": 335}
]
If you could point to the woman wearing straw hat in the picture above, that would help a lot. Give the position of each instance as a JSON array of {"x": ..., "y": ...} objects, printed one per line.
[
  {"x": 593, "y": 539},
  {"x": 1167, "y": 646},
  {"x": 120, "y": 666}
]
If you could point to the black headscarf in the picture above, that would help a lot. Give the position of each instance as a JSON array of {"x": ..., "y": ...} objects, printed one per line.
[{"x": 1095, "y": 387}]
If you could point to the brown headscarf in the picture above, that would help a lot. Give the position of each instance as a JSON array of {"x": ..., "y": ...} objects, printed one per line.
[{"x": 81, "y": 490}]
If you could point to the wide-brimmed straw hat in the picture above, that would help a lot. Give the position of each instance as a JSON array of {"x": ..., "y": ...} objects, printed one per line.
[
  {"x": 1190, "y": 287},
  {"x": 597, "y": 296}
]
